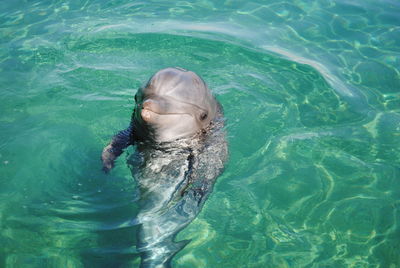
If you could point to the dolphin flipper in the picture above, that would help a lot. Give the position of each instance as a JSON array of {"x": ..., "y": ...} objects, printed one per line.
[{"x": 116, "y": 147}]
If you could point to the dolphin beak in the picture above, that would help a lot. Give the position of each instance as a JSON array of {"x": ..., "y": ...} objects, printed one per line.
[
  {"x": 146, "y": 115},
  {"x": 147, "y": 104},
  {"x": 148, "y": 110}
]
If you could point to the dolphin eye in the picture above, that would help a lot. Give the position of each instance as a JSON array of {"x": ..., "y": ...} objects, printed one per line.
[{"x": 203, "y": 116}]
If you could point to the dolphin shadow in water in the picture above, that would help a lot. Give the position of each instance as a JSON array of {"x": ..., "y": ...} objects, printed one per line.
[{"x": 177, "y": 127}]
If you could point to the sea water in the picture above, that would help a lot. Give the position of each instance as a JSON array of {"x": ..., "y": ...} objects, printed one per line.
[{"x": 311, "y": 93}]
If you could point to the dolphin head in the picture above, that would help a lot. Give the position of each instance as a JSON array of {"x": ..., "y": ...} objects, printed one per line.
[{"x": 175, "y": 103}]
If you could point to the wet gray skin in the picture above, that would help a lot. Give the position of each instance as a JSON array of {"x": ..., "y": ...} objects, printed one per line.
[{"x": 177, "y": 127}]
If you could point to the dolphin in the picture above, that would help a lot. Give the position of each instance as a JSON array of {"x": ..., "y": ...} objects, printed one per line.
[{"x": 177, "y": 127}]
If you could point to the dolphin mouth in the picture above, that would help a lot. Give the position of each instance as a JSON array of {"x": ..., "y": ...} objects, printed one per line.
[
  {"x": 146, "y": 114},
  {"x": 150, "y": 111},
  {"x": 164, "y": 106},
  {"x": 150, "y": 115}
]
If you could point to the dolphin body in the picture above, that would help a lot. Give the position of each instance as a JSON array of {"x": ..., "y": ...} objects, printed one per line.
[{"x": 177, "y": 127}]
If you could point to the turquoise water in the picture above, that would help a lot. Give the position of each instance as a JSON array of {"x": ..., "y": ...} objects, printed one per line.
[{"x": 311, "y": 92}]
